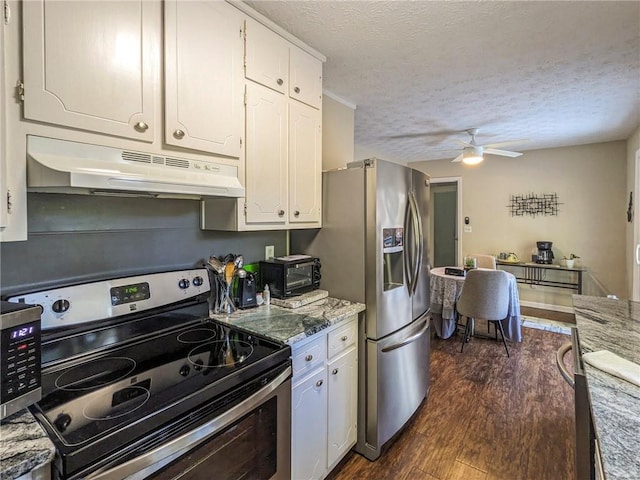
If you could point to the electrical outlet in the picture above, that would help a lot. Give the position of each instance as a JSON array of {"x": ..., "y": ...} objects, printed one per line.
[
  {"x": 269, "y": 252},
  {"x": 467, "y": 229}
]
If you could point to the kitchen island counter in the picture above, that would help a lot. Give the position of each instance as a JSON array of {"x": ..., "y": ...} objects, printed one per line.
[
  {"x": 293, "y": 325},
  {"x": 613, "y": 325},
  {"x": 24, "y": 446}
]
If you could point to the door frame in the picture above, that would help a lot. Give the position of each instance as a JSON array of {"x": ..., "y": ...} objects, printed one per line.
[
  {"x": 635, "y": 250},
  {"x": 459, "y": 226}
]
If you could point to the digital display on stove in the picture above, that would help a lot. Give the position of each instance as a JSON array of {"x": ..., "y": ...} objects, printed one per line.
[{"x": 129, "y": 293}]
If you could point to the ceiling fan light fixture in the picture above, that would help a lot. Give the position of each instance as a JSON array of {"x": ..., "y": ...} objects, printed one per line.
[{"x": 472, "y": 155}]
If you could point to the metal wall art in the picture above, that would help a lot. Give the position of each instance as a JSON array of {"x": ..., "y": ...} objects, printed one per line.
[{"x": 532, "y": 204}]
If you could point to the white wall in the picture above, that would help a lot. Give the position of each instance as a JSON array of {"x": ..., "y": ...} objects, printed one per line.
[
  {"x": 591, "y": 183},
  {"x": 337, "y": 132}
]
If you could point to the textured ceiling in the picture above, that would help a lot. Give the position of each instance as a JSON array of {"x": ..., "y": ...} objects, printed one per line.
[{"x": 556, "y": 73}]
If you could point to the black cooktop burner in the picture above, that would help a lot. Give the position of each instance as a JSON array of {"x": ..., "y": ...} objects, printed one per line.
[
  {"x": 197, "y": 335},
  {"x": 108, "y": 390},
  {"x": 95, "y": 374}
]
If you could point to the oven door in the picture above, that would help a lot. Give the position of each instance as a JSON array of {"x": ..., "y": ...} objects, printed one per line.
[{"x": 250, "y": 440}]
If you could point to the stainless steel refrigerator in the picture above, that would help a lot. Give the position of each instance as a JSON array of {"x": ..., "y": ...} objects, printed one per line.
[{"x": 373, "y": 250}]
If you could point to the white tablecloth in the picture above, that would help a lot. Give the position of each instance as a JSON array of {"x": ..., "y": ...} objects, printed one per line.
[{"x": 445, "y": 290}]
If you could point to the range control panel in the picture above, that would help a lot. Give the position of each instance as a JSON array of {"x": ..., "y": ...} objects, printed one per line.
[{"x": 77, "y": 304}]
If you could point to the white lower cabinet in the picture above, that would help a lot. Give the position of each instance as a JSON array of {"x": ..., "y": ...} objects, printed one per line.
[{"x": 324, "y": 400}]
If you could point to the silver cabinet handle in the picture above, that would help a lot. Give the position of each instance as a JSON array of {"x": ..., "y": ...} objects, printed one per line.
[
  {"x": 335, "y": 371},
  {"x": 281, "y": 213},
  {"x": 344, "y": 338},
  {"x": 178, "y": 134},
  {"x": 141, "y": 127},
  {"x": 279, "y": 81},
  {"x": 296, "y": 89},
  {"x": 296, "y": 213},
  {"x": 308, "y": 358},
  {"x": 319, "y": 383}
]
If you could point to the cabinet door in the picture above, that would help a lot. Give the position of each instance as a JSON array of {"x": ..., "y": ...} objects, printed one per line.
[
  {"x": 342, "y": 375},
  {"x": 309, "y": 428},
  {"x": 305, "y": 163},
  {"x": 305, "y": 81},
  {"x": 266, "y": 155},
  {"x": 92, "y": 65},
  {"x": 266, "y": 57},
  {"x": 203, "y": 76}
]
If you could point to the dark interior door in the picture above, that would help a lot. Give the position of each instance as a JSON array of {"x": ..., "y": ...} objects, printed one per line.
[{"x": 445, "y": 199}]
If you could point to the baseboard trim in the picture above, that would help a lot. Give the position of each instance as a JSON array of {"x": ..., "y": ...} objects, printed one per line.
[{"x": 546, "y": 306}]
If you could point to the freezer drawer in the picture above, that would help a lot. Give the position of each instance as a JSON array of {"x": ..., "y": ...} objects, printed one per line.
[{"x": 397, "y": 381}]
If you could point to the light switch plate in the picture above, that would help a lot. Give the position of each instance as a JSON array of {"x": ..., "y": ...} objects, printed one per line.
[{"x": 269, "y": 252}]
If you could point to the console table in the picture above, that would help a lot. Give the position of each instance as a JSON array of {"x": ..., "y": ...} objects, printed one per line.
[{"x": 540, "y": 274}]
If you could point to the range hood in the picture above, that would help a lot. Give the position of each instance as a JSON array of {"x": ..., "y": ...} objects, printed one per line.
[{"x": 60, "y": 166}]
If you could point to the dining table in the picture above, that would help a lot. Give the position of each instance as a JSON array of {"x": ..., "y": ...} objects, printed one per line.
[{"x": 445, "y": 289}]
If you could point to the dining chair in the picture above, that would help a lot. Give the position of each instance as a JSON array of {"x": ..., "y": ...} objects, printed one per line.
[
  {"x": 484, "y": 261},
  {"x": 485, "y": 295}
]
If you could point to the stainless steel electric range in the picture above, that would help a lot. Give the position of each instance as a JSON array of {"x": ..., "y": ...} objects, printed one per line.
[{"x": 138, "y": 382}]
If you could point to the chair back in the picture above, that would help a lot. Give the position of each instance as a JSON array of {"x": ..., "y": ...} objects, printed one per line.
[
  {"x": 484, "y": 261},
  {"x": 485, "y": 295}
]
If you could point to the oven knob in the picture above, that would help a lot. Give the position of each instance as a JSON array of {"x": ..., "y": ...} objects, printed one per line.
[
  {"x": 184, "y": 370},
  {"x": 183, "y": 283},
  {"x": 197, "y": 281},
  {"x": 60, "y": 306},
  {"x": 62, "y": 422},
  {"x": 197, "y": 366}
]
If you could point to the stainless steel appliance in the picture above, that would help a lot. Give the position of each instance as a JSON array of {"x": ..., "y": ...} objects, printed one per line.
[
  {"x": 374, "y": 250},
  {"x": 290, "y": 275},
  {"x": 545, "y": 254},
  {"x": 19, "y": 357},
  {"x": 140, "y": 383}
]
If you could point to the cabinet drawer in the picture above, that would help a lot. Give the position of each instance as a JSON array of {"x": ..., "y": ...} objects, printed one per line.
[
  {"x": 342, "y": 338},
  {"x": 309, "y": 356}
]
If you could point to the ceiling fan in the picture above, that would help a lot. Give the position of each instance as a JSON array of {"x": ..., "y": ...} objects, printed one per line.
[{"x": 472, "y": 153}]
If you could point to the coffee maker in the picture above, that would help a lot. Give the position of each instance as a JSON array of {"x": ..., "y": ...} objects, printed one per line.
[{"x": 545, "y": 254}]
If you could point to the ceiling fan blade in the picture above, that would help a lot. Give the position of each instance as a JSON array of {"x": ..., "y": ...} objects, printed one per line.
[
  {"x": 457, "y": 159},
  {"x": 504, "y": 153},
  {"x": 466, "y": 144},
  {"x": 523, "y": 141}
]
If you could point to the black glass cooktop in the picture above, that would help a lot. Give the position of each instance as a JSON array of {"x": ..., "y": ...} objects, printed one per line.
[{"x": 124, "y": 375}]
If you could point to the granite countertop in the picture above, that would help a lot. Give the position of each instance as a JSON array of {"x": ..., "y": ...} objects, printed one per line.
[
  {"x": 24, "y": 445},
  {"x": 288, "y": 325},
  {"x": 614, "y": 325}
]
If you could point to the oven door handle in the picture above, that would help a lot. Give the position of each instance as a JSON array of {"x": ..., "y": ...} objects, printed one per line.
[{"x": 191, "y": 439}]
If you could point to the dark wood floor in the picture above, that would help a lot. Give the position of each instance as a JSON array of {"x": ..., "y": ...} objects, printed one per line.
[{"x": 488, "y": 417}]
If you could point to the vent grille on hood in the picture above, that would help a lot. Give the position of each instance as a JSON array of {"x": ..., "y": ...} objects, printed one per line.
[{"x": 71, "y": 167}]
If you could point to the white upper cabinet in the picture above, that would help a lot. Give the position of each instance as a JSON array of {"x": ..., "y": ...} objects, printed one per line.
[
  {"x": 92, "y": 65},
  {"x": 277, "y": 64},
  {"x": 266, "y": 156},
  {"x": 266, "y": 57},
  {"x": 203, "y": 76},
  {"x": 305, "y": 77},
  {"x": 305, "y": 164}
]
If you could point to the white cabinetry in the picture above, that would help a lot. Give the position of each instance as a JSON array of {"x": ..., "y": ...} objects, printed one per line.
[
  {"x": 92, "y": 65},
  {"x": 3, "y": 133},
  {"x": 324, "y": 403},
  {"x": 96, "y": 66},
  {"x": 283, "y": 158},
  {"x": 203, "y": 76}
]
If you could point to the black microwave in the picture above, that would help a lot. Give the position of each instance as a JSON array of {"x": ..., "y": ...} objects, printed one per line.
[{"x": 290, "y": 275}]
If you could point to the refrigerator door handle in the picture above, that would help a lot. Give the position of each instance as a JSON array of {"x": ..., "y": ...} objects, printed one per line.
[
  {"x": 407, "y": 340},
  {"x": 417, "y": 241}
]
